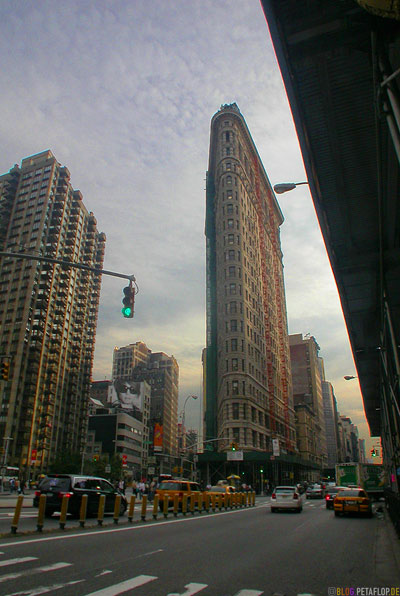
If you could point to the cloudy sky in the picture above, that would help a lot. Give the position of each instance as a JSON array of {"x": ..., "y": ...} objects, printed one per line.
[{"x": 122, "y": 93}]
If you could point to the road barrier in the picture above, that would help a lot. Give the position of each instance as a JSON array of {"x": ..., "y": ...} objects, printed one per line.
[
  {"x": 41, "y": 512},
  {"x": 200, "y": 502},
  {"x": 100, "y": 511},
  {"x": 82, "y": 511},
  {"x": 131, "y": 507},
  {"x": 17, "y": 513},
  {"x": 144, "y": 507},
  {"x": 155, "y": 506},
  {"x": 64, "y": 511}
]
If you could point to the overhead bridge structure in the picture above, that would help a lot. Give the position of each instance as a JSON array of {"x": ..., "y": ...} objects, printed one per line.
[{"x": 340, "y": 62}]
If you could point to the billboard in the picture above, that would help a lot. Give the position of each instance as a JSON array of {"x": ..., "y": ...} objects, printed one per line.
[
  {"x": 126, "y": 394},
  {"x": 158, "y": 437}
]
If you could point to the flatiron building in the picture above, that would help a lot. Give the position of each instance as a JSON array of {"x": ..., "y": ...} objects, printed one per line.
[{"x": 248, "y": 389}]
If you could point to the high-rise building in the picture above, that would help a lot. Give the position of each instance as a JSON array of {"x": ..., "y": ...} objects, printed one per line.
[
  {"x": 247, "y": 364},
  {"x": 48, "y": 312},
  {"x": 308, "y": 398},
  {"x": 136, "y": 362}
]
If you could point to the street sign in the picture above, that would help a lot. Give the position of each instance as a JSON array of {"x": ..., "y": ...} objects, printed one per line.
[
  {"x": 107, "y": 469},
  {"x": 124, "y": 460},
  {"x": 234, "y": 455}
]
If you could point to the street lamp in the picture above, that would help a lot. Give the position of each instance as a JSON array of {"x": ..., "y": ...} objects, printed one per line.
[
  {"x": 183, "y": 412},
  {"x": 286, "y": 186},
  {"x": 349, "y": 377}
]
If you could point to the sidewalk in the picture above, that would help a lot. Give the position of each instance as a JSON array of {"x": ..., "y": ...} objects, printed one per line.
[{"x": 8, "y": 499}]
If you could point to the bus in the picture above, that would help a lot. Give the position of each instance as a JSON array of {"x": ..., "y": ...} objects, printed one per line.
[{"x": 8, "y": 473}]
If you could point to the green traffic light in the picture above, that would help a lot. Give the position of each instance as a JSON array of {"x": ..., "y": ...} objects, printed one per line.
[{"x": 126, "y": 311}]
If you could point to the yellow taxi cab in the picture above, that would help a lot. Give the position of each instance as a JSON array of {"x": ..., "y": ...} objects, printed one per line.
[
  {"x": 352, "y": 500},
  {"x": 221, "y": 489},
  {"x": 172, "y": 487}
]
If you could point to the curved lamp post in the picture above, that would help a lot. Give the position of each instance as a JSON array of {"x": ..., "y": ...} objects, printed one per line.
[
  {"x": 286, "y": 186},
  {"x": 349, "y": 377}
]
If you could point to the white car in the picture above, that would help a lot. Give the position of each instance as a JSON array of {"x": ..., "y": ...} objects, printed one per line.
[{"x": 286, "y": 497}]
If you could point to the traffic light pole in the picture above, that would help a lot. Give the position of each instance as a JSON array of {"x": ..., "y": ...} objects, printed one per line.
[{"x": 19, "y": 255}]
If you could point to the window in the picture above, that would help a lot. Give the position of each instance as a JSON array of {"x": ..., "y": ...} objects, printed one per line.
[
  {"x": 235, "y": 364},
  {"x": 229, "y": 209},
  {"x": 235, "y": 411},
  {"x": 231, "y": 271},
  {"x": 232, "y": 308},
  {"x": 231, "y": 238},
  {"x": 232, "y": 289},
  {"x": 234, "y": 345},
  {"x": 230, "y": 223},
  {"x": 231, "y": 255},
  {"x": 235, "y": 391},
  {"x": 233, "y": 325}
]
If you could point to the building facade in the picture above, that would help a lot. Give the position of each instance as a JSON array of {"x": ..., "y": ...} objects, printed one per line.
[
  {"x": 48, "y": 312},
  {"x": 307, "y": 390},
  {"x": 136, "y": 362},
  {"x": 248, "y": 390}
]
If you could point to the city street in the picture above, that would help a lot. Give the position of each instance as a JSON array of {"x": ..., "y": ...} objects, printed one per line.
[{"x": 244, "y": 552}]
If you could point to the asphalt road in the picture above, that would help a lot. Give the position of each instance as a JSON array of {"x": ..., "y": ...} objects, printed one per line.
[{"x": 245, "y": 552}]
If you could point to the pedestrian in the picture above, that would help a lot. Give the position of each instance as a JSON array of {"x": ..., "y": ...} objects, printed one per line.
[
  {"x": 152, "y": 490},
  {"x": 134, "y": 488},
  {"x": 121, "y": 486},
  {"x": 12, "y": 485}
]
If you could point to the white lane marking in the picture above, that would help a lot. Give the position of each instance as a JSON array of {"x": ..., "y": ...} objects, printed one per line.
[
  {"x": 249, "y": 593},
  {"x": 44, "y": 569},
  {"x": 15, "y": 561},
  {"x": 153, "y": 552},
  {"x": 44, "y": 589},
  {"x": 122, "y": 587},
  {"x": 105, "y": 572},
  {"x": 129, "y": 528},
  {"x": 190, "y": 589}
]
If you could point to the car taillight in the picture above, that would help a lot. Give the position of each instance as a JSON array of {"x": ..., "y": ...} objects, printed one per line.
[
  {"x": 327, "y": 497},
  {"x": 37, "y": 493},
  {"x": 273, "y": 496},
  {"x": 295, "y": 496},
  {"x": 60, "y": 495}
]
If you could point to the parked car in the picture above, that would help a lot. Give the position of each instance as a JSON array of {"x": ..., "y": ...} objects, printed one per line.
[
  {"x": 55, "y": 486},
  {"x": 330, "y": 494},
  {"x": 352, "y": 500},
  {"x": 179, "y": 487},
  {"x": 315, "y": 491},
  {"x": 286, "y": 497}
]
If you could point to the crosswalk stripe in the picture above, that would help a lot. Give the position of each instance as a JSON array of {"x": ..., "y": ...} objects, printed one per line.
[
  {"x": 45, "y": 589},
  {"x": 191, "y": 589},
  {"x": 54, "y": 567},
  {"x": 122, "y": 587},
  {"x": 249, "y": 593},
  {"x": 15, "y": 561}
]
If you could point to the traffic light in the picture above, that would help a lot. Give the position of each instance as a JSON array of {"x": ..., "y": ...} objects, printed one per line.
[
  {"x": 128, "y": 301},
  {"x": 95, "y": 458},
  {"x": 5, "y": 370},
  {"x": 373, "y": 452},
  {"x": 233, "y": 446}
]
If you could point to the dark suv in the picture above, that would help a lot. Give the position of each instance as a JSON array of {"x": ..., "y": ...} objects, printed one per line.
[{"x": 55, "y": 486}]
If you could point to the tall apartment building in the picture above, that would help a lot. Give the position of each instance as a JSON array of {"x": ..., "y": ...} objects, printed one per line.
[
  {"x": 137, "y": 362},
  {"x": 308, "y": 398},
  {"x": 48, "y": 312},
  {"x": 331, "y": 424},
  {"x": 247, "y": 364}
]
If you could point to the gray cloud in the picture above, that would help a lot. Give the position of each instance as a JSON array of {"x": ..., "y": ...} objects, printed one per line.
[{"x": 123, "y": 94}]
